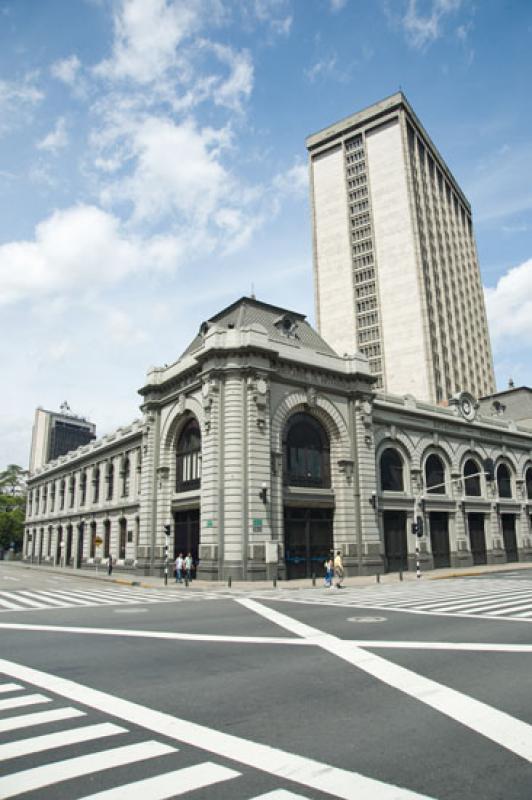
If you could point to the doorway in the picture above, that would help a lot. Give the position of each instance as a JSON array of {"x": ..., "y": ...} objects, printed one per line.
[
  {"x": 509, "y": 537},
  {"x": 308, "y": 541},
  {"x": 395, "y": 545},
  {"x": 187, "y": 533},
  {"x": 439, "y": 539},
  {"x": 477, "y": 538}
]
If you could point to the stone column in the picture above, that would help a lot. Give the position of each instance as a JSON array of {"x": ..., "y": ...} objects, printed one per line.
[
  {"x": 369, "y": 552},
  {"x": 234, "y": 490}
]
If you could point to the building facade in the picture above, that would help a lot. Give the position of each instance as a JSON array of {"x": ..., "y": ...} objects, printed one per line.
[
  {"x": 395, "y": 264},
  {"x": 56, "y": 433},
  {"x": 263, "y": 450}
]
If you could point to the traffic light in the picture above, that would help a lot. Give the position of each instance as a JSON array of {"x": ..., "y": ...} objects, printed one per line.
[
  {"x": 489, "y": 469},
  {"x": 167, "y": 530},
  {"x": 417, "y": 527}
]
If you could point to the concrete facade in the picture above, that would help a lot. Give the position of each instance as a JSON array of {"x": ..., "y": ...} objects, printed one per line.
[
  {"x": 252, "y": 372},
  {"x": 396, "y": 271}
]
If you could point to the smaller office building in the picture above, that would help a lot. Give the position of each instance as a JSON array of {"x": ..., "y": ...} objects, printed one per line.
[{"x": 263, "y": 450}]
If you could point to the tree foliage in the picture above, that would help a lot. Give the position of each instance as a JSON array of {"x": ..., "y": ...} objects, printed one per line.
[{"x": 12, "y": 506}]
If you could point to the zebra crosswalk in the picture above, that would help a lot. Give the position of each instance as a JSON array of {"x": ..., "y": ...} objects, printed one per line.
[
  {"x": 40, "y": 599},
  {"x": 116, "y": 759},
  {"x": 492, "y": 598}
]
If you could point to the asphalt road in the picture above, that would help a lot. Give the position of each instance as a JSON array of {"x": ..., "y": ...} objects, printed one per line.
[{"x": 403, "y": 691}]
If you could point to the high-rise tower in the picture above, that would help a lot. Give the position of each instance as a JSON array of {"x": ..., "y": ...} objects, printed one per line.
[{"x": 395, "y": 264}]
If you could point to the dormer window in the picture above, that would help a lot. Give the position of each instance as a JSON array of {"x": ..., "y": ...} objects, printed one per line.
[
  {"x": 287, "y": 325},
  {"x": 204, "y": 327}
]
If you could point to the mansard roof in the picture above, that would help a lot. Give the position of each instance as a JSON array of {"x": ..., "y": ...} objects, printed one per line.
[{"x": 281, "y": 325}]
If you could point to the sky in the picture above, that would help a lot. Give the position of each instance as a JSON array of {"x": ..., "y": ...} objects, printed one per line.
[{"x": 153, "y": 170}]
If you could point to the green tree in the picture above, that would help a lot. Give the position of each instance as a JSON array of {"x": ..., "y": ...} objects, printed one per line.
[
  {"x": 13, "y": 479},
  {"x": 12, "y": 515}
]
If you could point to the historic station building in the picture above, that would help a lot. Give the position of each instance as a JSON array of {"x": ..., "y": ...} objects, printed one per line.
[{"x": 262, "y": 450}]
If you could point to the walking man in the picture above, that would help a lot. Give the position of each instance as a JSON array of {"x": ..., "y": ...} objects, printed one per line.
[
  {"x": 179, "y": 568},
  {"x": 338, "y": 569}
]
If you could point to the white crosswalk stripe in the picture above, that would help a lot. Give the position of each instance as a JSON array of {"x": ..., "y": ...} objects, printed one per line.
[
  {"x": 44, "y": 599},
  {"x": 167, "y": 783},
  {"x": 171, "y": 784},
  {"x": 487, "y": 598}
]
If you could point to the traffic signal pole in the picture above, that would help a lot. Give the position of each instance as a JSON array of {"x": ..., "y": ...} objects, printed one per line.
[{"x": 167, "y": 530}]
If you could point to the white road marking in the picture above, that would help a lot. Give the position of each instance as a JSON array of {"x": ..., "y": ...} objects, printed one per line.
[
  {"x": 38, "y": 718},
  {"x": 31, "y": 779},
  {"x": 498, "y": 726},
  {"x": 7, "y": 603},
  {"x": 279, "y": 794},
  {"x": 172, "y": 784},
  {"x": 19, "y": 597},
  {"x": 37, "y": 744},
  {"x": 9, "y": 687},
  {"x": 26, "y": 700},
  {"x": 340, "y": 783},
  {"x": 9, "y": 578},
  {"x": 189, "y": 637},
  {"x": 465, "y": 647}
]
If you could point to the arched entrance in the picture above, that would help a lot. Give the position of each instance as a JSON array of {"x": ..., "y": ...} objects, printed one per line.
[
  {"x": 308, "y": 519},
  {"x": 81, "y": 540},
  {"x": 68, "y": 546},
  {"x": 395, "y": 544}
]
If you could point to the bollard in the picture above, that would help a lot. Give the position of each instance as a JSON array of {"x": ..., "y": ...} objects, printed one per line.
[
  {"x": 314, "y": 579},
  {"x": 378, "y": 578},
  {"x": 186, "y": 581},
  {"x": 275, "y": 583},
  {"x": 400, "y": 574},
  {"x": 229, "y": 581}
]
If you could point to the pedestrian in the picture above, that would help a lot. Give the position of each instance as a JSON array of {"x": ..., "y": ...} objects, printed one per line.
[
  {"x": 179, "y": 568},
  {"x": 188, "y": 566},
  {"x": 110, "y": 565},
  {"x": 338, "y": 569},
  {"x": 329, "y": 571}
]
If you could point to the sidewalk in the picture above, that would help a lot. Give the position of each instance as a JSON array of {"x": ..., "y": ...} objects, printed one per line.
[{"x": 155, "y": 582}]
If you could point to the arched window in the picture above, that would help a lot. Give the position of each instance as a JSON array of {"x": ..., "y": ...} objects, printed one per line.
[
  {"x": 83, "y": 488},
  {"x": 62, "y": 487},
  {"x": 528, "y": 480},
  {"x": 188, "y": 457},
  {"x": 96, "y": 484},
  {"x": 110, "y": 480},
  {"x": 44, "y": 497},
  {"x": 472, "y": 484},
  {"x": 124, "y": 474},
  {"x": 504, "y": 481},
  {"x": 306, "y": 452},
  {"x": 434, "y": 475},
  {"x": 71, "y": 491},
  {"x": 52, "y": 496},
  {"x": 391, "y": 466}
]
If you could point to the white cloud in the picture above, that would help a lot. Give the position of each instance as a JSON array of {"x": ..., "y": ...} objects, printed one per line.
[
  {"x": 238, "y": 85},
  {"x": 123, "y": 329},
  {"x": 294, "y": 181},
  {"x": 81, "y": 248},
  {"x": 67, "y": 70},
  {"x": 147, "y": 33},
  {"x": 17, "y": 98},
  {"x": 56, "y": 139},
  {"x": 337, "y": 5},
  {"x": 509, "y": 305},
  {"x": 424, "y": 28},
  {"x": 275, "y": 14}
]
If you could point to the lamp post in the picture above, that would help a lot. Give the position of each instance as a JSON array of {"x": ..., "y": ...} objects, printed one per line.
[{"x": 167, "y": 530}]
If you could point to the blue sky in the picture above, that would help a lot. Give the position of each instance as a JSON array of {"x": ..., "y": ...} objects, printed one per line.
[{"x": 153, "y": 170}]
